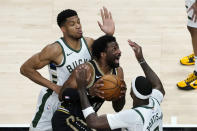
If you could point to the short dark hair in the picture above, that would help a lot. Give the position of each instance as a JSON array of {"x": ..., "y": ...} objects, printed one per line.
[
  {"x": 100, "y": 45},
  {"x": 61, "y": 18},
  {"x": 143, "y": 86}
]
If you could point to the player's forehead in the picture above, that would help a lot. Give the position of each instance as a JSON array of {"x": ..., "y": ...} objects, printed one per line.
[
  {"x": 112, "y": 44},
  {"x": 72, "y": 18}
]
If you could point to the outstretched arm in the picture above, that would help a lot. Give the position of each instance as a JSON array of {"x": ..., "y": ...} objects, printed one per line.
[
  {"x": 150, "y": 74},
  {"x": 93, "y": 121},
  {"x": 29, "y": 68},
  {"x": 119, "y": 104},
  {"x": 108, "y": 26}
]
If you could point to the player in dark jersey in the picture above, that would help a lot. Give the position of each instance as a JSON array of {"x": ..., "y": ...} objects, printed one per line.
[{"x": 106, "y": 55}]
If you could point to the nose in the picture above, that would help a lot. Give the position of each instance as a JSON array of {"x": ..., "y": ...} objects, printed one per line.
[
  {"x": 119, "y": 52},
  {"x": 78, "y": 25}
]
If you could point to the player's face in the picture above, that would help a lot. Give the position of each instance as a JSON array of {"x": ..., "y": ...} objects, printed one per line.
[
  {"x": 73, "y": 27},
  {"x": 113, "y": 54}
]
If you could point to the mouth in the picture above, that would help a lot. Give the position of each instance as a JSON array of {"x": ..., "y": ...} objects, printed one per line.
[
  {"x": 79, "y": 32},
  {"x": 117, "y": 59}
]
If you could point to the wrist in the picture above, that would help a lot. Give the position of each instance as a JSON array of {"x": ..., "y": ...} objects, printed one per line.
[
  {"x": 89, "y": 110},
  {"x": 141, "y": 61}
]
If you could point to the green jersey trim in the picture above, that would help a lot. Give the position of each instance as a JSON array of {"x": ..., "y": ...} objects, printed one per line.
[
  {"x": 77, "y": 51},
  {"x": 63, "y": 54},
  {"x": 140, "y": 115},
  {"x": 87, "y": 46},
  {"x": 41, "y": 108},
  {"x": 156, "y": 100},
  {"x": 147, "y": 107}
]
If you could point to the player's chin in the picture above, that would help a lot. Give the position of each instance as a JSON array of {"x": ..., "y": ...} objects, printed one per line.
[
  {"x": 116, "y": 65},
  {"x": 78, "y": 35}
]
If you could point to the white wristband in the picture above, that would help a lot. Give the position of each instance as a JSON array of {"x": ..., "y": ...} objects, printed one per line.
[
  {"x": 88, "y": 111},
  {"x": 141, "y": 62}
]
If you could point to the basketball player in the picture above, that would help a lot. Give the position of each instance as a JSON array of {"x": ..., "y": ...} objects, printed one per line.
[
  {"x": 106, "y": 55},
  {"x": 61, "y": 57},
  {"x": 147, "y": 94},
  {"x": 191, "y": 81}
]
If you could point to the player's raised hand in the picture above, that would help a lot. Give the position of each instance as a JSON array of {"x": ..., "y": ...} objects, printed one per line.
[
  {"x": 108, "y": 25},
  {"x": 81, "y": 77},
  {"x": 137, "y": 50},
  {"x": 194, "y": 8}
]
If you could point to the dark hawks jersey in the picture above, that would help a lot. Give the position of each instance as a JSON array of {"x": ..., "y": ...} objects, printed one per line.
[{"x": 95, "y": 101}]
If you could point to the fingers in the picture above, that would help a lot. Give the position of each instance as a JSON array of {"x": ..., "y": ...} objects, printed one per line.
[
  {"x": 100, "y": 25},
  {"x": 102, "y": 14},
  {"x": 189, "y": 9},
  {"x": 133, "y": 45},
  {"x": 193, "y": 16},
  {"x": 106, "y": 13},
  {"x": 110, "y": 15},
  {"x": 99, "y": 93},
  {"x": 100, "y": 81}
]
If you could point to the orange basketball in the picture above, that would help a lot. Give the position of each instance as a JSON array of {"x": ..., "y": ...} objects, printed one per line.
[{"x": 111, "y": 87}]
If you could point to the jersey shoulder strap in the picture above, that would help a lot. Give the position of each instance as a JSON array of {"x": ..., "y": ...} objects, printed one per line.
[{"x": 140, "y": 114}]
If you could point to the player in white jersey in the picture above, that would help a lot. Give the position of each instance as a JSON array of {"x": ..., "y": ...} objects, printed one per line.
[
  {"x": 191, "y": 81},
  {"x": 147, "y": 94},
  {"x": 62, "y": 57}
]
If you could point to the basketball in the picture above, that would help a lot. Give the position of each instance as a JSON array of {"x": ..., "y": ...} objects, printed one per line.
[{"x": 111, "y": 87}]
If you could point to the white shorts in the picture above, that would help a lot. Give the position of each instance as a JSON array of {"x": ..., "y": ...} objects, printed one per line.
[
  {"x": 48, "y": 103},
  {"x": 188, "y": 4}
]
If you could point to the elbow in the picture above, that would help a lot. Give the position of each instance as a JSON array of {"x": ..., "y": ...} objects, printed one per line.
[{"x": 22, "y": 70}]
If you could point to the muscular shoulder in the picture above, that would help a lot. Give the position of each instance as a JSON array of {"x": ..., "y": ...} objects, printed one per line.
[
  {"x": 53, "y": 48},
  {"x": 51, "y": 51},
  {"x": 89, "y": 42}
]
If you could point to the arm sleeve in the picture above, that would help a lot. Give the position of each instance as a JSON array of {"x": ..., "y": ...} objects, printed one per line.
[
  {"x": 157, "y": 95},
  {"x": 124, "y": 119}
]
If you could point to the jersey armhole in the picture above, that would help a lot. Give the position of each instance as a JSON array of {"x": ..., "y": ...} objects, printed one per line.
[
  {"x": 64, "y": 56},
  {"x": 87, "y": 46}
]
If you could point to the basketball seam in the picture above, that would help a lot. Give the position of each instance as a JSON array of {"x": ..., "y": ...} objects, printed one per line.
[
  {"x": 116, "y": 87},
  {"x": 111, "y": 81}
]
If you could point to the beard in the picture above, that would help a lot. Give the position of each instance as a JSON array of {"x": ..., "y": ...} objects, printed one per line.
[{"x": 112, "y": 64}]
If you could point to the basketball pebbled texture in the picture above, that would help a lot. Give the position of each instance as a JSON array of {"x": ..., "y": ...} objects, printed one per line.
[{"x": 111, "y": 87}]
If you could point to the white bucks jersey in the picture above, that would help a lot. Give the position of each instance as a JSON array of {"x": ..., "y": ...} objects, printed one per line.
[
  {"x": 151, "y": 115},
  {"x": 72, "y": 58}
]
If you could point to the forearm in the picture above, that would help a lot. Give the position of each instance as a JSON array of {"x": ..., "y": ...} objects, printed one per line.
[
  {"x": 84, "y": 99},
  {"x": 92, "y": 119},
  {"x": 36, "y": 77},
  {"x": 118, "y": 104},
  {"x": 152, "y": 76}
]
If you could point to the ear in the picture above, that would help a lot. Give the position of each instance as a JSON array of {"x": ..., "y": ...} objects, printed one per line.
[
  {"x": 63, "y": 29},
  {"x": 103, "y": 54}
]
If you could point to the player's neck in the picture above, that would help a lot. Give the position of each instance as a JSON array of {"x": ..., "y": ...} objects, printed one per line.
[
  {"x": 104, "y": 67},
  {"x": 73, "y": 43},
  {"x": 137, "y": 103}
]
